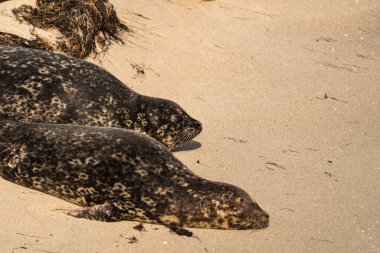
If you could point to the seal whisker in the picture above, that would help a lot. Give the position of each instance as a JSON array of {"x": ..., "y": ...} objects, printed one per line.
[
  {"x": 181, "y": 139},
  {"x": 179, "y": 136}
]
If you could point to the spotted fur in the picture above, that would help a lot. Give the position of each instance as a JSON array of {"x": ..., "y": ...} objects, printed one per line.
[
  {"x": 44, "y": 87},
  {"x": 117, "y": 174}
]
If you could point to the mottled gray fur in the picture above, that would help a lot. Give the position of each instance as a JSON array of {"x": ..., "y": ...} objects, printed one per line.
[
  {"x": 117, "y": 174},
  {"x": 44, "y": 87}
]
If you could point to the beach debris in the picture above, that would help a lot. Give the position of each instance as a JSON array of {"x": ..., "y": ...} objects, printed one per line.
[
  {"x": 325, "y": 39},
  {"x": 285, "y": 151},
  {"x": 86, "y": 26},
  {"x": 140, "y": 72},
  {"x": 201, "y": 98},
  {"x": 320, "y": 240},
  {"x": 312, "y": 149},
  {"x": 21, "y": 247},
  {"x": 236, "y": 140},
  {"x": 345, "y": 145},
  {"x": 325, "y": 97},
  {"x": 140, "y": 15},
  {"x": 132, "y": 239},
  {"x": 205, "y": 165},
  {"x": 330, "y": 175},
  {"x": 346, "y": 67},
  {"x": 365, "y": 57},
  {"x": 271, "y": 165},
  {"x": 139, "y": 227},
  {"x": 34, "y": 236}
]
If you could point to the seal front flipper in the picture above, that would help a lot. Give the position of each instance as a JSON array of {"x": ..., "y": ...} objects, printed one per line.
[
  {"x": 181, "y": 231},
  {"x": 106, "y": 212}
]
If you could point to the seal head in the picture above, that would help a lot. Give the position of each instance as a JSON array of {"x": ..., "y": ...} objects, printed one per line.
[
  {"x": 165, "y": 121},
  {"x": 215, "y": 205}
]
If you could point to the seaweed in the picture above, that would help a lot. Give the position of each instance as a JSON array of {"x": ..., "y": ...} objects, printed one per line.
[{"x": 83, "y": 24}]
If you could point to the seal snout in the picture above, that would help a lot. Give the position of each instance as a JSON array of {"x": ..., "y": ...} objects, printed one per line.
[
  {"x": 264, "y": 219},
  {"x": 260, "y": 220},
  {"x": 197, "y": 125}
]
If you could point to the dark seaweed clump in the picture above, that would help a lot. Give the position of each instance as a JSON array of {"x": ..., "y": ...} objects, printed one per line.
[{"x": 85, "y": 25}]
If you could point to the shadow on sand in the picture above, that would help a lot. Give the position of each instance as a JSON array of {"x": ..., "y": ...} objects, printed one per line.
[{"x": 191, "y": 145}]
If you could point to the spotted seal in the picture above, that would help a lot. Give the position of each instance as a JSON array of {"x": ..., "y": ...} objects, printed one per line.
[
  {"x": 117, "y": 174},
  {"x": 44, "y": 87}
]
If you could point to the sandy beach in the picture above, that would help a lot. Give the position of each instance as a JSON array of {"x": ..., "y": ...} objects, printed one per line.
[{"x": 288, "y": 94}]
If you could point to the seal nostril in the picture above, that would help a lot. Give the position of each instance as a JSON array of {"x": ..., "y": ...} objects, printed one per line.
[{"x": 198, "y": 125}]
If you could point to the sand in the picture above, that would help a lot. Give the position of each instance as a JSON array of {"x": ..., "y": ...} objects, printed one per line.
[{"x": 288, "y": 93}]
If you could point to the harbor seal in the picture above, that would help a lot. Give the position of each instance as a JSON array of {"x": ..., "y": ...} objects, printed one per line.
[
  {"x": 45, "y": 87},
  {"x": 117, "y": 174}
]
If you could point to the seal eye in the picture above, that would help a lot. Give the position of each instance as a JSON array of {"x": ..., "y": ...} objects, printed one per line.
[
  {"x": 176, "y": 118},
  {"x": 239, "y": 200}
]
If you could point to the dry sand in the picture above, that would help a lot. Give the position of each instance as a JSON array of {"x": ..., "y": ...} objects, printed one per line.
[{"x": 255, "y": 73}]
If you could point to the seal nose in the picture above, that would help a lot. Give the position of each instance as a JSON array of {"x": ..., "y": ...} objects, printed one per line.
[
  {"x": 265, "y": 215},
  {"x": 198, "y": 125},
  {"x": 264, "y": 220}
]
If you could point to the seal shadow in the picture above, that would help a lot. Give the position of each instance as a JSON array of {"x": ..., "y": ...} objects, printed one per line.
[{"x": 191, "y": 145}]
